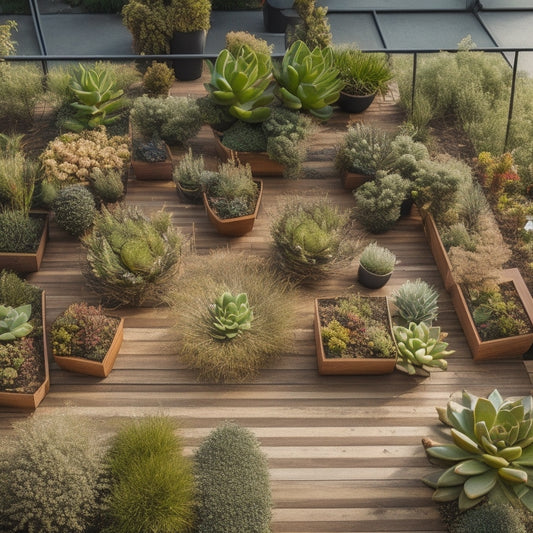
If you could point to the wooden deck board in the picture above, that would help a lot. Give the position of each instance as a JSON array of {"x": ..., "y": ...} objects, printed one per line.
[{"x": 345, "y": 452}]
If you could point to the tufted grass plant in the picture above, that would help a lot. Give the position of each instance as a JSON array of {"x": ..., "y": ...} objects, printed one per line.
[
  {"x": 204, "y": 279},
  {"x": 233, "y": 483}
]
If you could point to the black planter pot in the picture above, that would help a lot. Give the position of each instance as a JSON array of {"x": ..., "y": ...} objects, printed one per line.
[
  {"x": 273, "y": 18},
  {"x": 188, "y": 43},
  {"x": 371, "y": 280},
  {"x": 353, "y": 103}
]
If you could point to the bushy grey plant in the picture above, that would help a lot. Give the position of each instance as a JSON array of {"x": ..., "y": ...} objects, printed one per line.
[
  {"x": 416, "y": 301},
  {"x": 377, "y": 259},
  {"x": 107, "y": 184},
  {"x": 233, "y": 483},
  {"x": 74, "y": 209},
  {"x": 20, "y": 233}
]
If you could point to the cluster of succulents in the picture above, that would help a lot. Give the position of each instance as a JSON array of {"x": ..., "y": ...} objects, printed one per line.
[
  {"x": 231, "y": 316},
  {"x": 14, "y": 322}
]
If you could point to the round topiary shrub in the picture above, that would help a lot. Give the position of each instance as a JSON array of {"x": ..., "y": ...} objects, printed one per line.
[
  {"x": 74, "y": 209},
  {"x": 233, "y": 483},
  {"x": 158, "y": 79}
]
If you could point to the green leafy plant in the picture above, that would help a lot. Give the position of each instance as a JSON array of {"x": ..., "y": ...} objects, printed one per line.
[
  {"x": 14, "y": 322},
  {"x": 152, "y": 484},
  {"x": 12, "y": 357},
  {"x": 20, "y": 233},
  {"x": 491, "y": 453},
  {"x": 236, "y": 39},
  {"x": 152, "y": 151},
  {"x": 421, "y": 346},
  {"x": 106, "y": 184},
  {"x": 74, "y": 209},
  {"x": 377, "y": 259},
  {"x": 308, "y": 80},
  {"x": 312, "y": 27},
  {"x": 233, "y": 482},
  {"x": 131, "y": 258},
  {"x": 7, "y": 44},
  {"x": 336, "y": 337},
  {"x": 406, "y": 155},
  {"x": 158, "y": 79},
  {"x": 416, "y": 301},
  {"x": 189, "y": 175},
  {"x": 18, "y": 177},
  {"x": 231, "y": 316}
]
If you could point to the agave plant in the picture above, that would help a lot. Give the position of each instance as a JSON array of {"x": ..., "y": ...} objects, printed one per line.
[
  {"x": 14, "y": 322},
  {"x": 416, "y": 302},
  {"x": 421, "y": 347},
  {"x": 492, "y": 450},
  {"x": 242, "y": 83},
  {"x": 231, "y": 316},
  {"x": 308, "y": 80}
]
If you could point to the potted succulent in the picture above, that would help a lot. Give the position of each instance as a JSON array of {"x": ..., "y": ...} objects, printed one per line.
[
  {"x": 151, "y": 160},
  {"x": 86, "y": 340},
  {"x": 364, "y": 76},
  {"x": 188, "y": 176},
  {"x": 24, "y": 375},
  {"x": 232, "y": 198},
  {"x": 376, "y": 264},
  {"x": 353, "y": 335}
]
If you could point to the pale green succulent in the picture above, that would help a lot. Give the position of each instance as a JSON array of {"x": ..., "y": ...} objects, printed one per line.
[
  {"x": 421, "y": 346},
  {"x": 416, "y": 301},
  {"x": 14, "y": 322},
  {"x": 231, "y": 316},
  {"x": 492, "y": 450},
  {"x": 242, "y": 83}
]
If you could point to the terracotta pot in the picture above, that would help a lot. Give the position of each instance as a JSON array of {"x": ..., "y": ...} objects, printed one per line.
[
  {"x": 161, "y": 170},
  {"x": 234, "y": 227},
  {"x": 99, "y": 369},
  {"x": 506, "y": 348},
  {"x": 353, "y": 180},
  {"x": 439, "y": 252},
  {"x": 259, "y": 162},
  {"x": 27, "y": 262},
  {"x": 22, "y": 400},
  {"x": 370, "y": 280},
  {"x": 353, "y": 103},
  {"x": 350, "y": 366}
]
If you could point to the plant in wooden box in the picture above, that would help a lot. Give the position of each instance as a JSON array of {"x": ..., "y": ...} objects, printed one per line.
[
  {"x": 491, "y": 454},
  {"x": 233, "y": 316},
  {"x": 24, "y": 379},
  {"x": 189, "y": 175},
  {"x": 232, "y": 198},
  {"x": 86, "y": 340},
  {"x": 353, "y": 335},
  {"x": 376, "y": 264},
  {"x": 151, "y": 160},
  {"x": 364, "y": 76},
  {"x": 312, "y": 238},
  {"x": 131, "y": 258}
]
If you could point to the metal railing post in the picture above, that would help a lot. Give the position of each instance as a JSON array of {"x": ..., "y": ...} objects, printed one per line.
[
  {"x": 511, "y": 101},
  {"x": 39, "y": 33},
  {"x": 413, "y": 83}
]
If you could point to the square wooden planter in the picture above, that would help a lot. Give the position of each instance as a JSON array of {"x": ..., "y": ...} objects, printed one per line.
[
  {"x": 27, "y": 262},
  {"x": 234, "y": 227},
  {"x": 161, "y": 170},
  {"x": 439, "y": 252},
  {"x": 506, "y": 348},
  {"x": 350, "y": 366},
  {"x": 23, "y": 400},
  {"x": 100, "y": 369},
  {"x": 354, "y": 180}
]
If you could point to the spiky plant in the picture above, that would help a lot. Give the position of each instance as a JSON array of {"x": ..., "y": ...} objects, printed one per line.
[
  {"x": 492, "y": 450},
  {"x": 416, "y": 302}
]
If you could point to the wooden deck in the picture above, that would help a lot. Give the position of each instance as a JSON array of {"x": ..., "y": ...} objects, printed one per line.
[{"x": 345, "y": 453}]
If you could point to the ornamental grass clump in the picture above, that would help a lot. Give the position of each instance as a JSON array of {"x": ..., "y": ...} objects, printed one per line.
[
  {"x": 260, "y": 342},
  {"x": 151, "y": 482},
  {"x": 233, "y": 483},
  {"x": 131, "y": 258},
  {"x": 52, "y": 476}
]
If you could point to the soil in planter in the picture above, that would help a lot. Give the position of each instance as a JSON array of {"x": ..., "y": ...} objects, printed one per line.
[
  {"x": 496, "y": 325},
  {"x": 360, "y": 345},
  {"x": 31, "y": 373}
]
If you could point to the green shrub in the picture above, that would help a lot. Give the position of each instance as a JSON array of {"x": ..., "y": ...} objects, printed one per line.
[
  {"x": 233, "y": 483},
  {"x": 416, "y": 301},
  {"x": 74, "y": 209},
  {"x": 106, "y": 184},
  {"x": 152, "y": 483},
  {"x": 16, "y": 292},
  {"x": 239, "y": 359},
  {"x": 490, "y": 518},
  {"x": 7, "y": 44},
  {"x": 158, "y": 79},
  {"x": 245, "y": 137},
  {"x": 236, "y": 39},
  {"x": 231, "y": 5},
  {"x": 217, "y": 116},
  {"x": 189, "y": 174},
  {"x": 20, "y": 233},
  {"x": 18, "y": 176},
  {"x": 406, "y": 155},
  {"x": 51, "y": 473},
  {"x": 377, "y": 259},
  {"x": 312, "y": 27}
]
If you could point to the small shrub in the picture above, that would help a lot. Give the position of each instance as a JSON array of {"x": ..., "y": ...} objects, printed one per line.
[
  {"x": 190, "y": 174},
  {"x": 52, "y": 476},
  {"x": 217, "y": 116},
  {"x": 236, "y": 39},
  {"x": 74, "y": 209},
  {"x": 245, "y": 137},
  {"x": 7, "y": 44},
  {"x": 416, "y": 302},
  {"x": 233, "y": 483},
  {"x": 490, "y": 518},
  {"x": 106, "y": 184},
  {"x": 158, "y": 79},
  {"x": 377, "y": 259},
  {"x": 20, "y": 233},
  {"x": 152, "y": 484},
  {"x": 313, "y": 27},
  {"x": 406, "y": 155}
]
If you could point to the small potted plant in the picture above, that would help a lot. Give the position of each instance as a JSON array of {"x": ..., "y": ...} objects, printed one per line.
[
  {"x": 86, "y": 340},
  {"x": 232, "y": 198},
  {"x": 376, "y": 264},
  {"x": 151, "y": 160},
  {"x": 188, "y": 176}
]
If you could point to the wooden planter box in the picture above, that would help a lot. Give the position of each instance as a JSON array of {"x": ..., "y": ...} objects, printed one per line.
[
  {"x": 100, "y": 369},
  {"x": 354, "y": 180},
  {"x": 22, "y": 400},
  {"x": 27, "y": 262},
  {"x": 439, "y": 252},
  {"x": 505, "y": 348},
  {"x": 350, "y": 366},
  {"x": 234, "y": 227},
  {"x": 161, "y": 170},
  {"x": 259, "y": 162}
]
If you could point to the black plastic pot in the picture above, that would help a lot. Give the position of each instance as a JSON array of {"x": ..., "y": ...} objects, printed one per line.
[
  {"x": 354, "y": 103},
  {"x": 188, "y": 43},
  {"x": 371, "y": 280},
  {"x": 273, "y": 18}
]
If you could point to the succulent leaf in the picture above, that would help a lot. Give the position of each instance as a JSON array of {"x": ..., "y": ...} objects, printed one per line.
[{"x": 231, "y": 316}]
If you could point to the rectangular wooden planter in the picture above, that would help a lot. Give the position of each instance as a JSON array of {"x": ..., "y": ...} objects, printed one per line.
[
  {"x": 350, "y": 366},
  {"x": 353, "y": 180},
  {"x": 22, "y": 400},
  {"x": 439, "y": 252},
  {"x": 506, "y": 348},
  {"x": 161, "y": 170},
  {"x": 27, "y": 262},
  {"x": 234, "y": 227},
  {"x": 100, "y": 369}
]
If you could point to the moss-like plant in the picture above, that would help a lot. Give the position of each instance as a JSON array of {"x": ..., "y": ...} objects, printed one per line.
[
  {"x": 491, "y": 517},
  {"x": 20, "y": 233},
  {"x": 74, "y": 209},
  {"x": 152, "y": 484},
  {"x": 158, "y": 79},
  {"x": 233, "y": 483}
]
